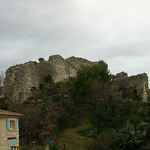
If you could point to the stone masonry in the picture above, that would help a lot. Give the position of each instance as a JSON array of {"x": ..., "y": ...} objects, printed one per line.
[
  {"x": 5, "y": 134},
  {"x": 21, "y": 78},
  {"x": 138, "y": 82}
]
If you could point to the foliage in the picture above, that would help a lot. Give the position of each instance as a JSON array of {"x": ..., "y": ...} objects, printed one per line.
[
  {"x": 90, "y": 96},
  {"x": 48, "y": 79},
  {"x": 1, "y": 78},
  {"x": 142, "y": 126},
  {"x": 41, "y": 111},
  {"x": 52, "y": 146},
  {"x": 102, "y": 142},
  {"x": 70, "y": 139},
  {"x": 35, "y": 62},
  {"x": 41, "y": 59},
  {"x": 128, "y": 139},
  {"x": 41, "y": 86},
  {"x": 30, "y": 124},
  {"x": 130, "y": 93},
  {"x": 1, "y": 81},
  {"x": 28, "y": 147},
  {"x": 148, "y": 133},
  {"x": 103, "y": 118},
  {"x": 3, "y": 104},
  {"x": 80, "y": 87}
]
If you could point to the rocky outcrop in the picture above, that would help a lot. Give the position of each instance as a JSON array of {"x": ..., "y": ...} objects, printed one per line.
[
  {"x": 138, "y": 82},
  {"x": 21, "y": 78}
]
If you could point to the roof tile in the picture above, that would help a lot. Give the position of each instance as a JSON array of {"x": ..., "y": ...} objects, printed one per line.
[{"x": 9, "y": 113}]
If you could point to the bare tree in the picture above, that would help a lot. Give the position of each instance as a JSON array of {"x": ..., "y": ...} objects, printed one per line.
[{"x": 1, "y": 80}]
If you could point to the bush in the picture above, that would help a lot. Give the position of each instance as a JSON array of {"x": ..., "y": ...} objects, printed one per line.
[
  {"x": 3, "y": 104},
  {"x": 41, "y": 86},
  {"x": 41, "y": 59},
  {"x": 148, "y": 133},
  {"x": 142, "y": 126},
  {"x": 102, "y": 142},
  {"x": 52, "y": 146},
  {"x": 127, "y": 139},
  {"x": 48, "y": 79}
]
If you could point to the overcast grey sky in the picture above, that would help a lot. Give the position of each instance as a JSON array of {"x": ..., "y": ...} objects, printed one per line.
[{"x": 116, "y": 31}]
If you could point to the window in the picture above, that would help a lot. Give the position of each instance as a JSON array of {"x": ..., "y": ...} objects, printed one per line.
[{"x": 11, "y": 124}]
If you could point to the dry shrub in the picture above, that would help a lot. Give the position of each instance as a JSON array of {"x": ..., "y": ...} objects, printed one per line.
[{"x": 102, "y": 142}]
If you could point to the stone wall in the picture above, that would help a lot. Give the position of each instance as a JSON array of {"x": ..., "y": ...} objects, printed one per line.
[
  {"x": 5, "y": 134},
  {"x": 138, "y": 82},
  {"x": 21, "y": 78}
]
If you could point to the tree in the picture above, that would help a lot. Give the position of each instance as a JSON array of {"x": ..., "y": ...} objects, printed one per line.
[
  {"x": 3, "y": 104},
  {"x": 41, "y": 59},
  {"x": 102, "y": 142},
  {"x": 1, "y": 81},
  {"x": 80, "y": 91},
  {"x": 30, "y": 124},
  {"x": 1, "y": 78},
  {"x": 127, "y": 139}
]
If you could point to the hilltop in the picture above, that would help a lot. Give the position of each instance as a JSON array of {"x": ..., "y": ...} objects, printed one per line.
[
  {"x": 20, "y": 79},
  {"x": 80, "y": 100}
]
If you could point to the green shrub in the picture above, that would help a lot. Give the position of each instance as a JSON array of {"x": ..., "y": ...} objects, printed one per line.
[
  {"x": 41, "y": 86},
  {"x": 142, "y": 126},
  {"x": 52, "y": 146},
  {"x": 148, "y": 133},
  {"x": 102, "y": 142},
  {"x": 3, "y": 104},
  {"x": 127, "y": 139},
  {"x": 41, "y": 59},
  {"x": 35, "y": 62},
  {"x": 48, "y": 79}
]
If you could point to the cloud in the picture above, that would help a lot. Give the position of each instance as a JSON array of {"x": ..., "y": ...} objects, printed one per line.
[{"x": 116, "y": 31}]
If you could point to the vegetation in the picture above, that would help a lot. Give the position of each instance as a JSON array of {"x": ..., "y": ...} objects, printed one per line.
[
  {"x": 41, "y": 59},
  {"x": 1, "y": 81},
  {"x": 28, "y": 147},
  {"x": 86, "y": 112},
  {"x": 3, "y": 104},
  {"x": 71, "y": 137},
  {"x": 129, "y": 139}
]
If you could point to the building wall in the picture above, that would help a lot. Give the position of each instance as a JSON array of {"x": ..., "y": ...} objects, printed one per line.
[{"x": 5, "y": 134}]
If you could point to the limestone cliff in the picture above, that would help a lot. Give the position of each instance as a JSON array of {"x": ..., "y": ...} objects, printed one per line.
[{"x": 21, "y": 78}]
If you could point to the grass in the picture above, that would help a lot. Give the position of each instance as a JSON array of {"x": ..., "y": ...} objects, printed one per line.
[
  {"x": 36, "y": 147},
  {"x": 72, "y": 140}
]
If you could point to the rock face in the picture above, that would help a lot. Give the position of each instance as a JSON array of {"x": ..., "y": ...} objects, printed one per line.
[
  {"x": 138, "y": 82},
  {"x": 21, "y": 78}
]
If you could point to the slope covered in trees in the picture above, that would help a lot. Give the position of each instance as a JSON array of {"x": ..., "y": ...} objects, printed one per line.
[{"x": 90, "y": 106}]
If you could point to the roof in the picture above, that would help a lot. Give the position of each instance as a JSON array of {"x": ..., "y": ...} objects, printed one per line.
[{"x": 9, "y": 113}]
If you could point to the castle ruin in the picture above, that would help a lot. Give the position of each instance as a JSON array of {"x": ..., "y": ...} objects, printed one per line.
[{"x": 21, "y": 78}]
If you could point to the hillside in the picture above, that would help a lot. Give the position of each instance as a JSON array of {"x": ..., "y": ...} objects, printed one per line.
[{"x": 77, "y": 104}]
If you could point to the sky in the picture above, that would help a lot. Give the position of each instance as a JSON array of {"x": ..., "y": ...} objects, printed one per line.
[{"x": 116, "y": 31}]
